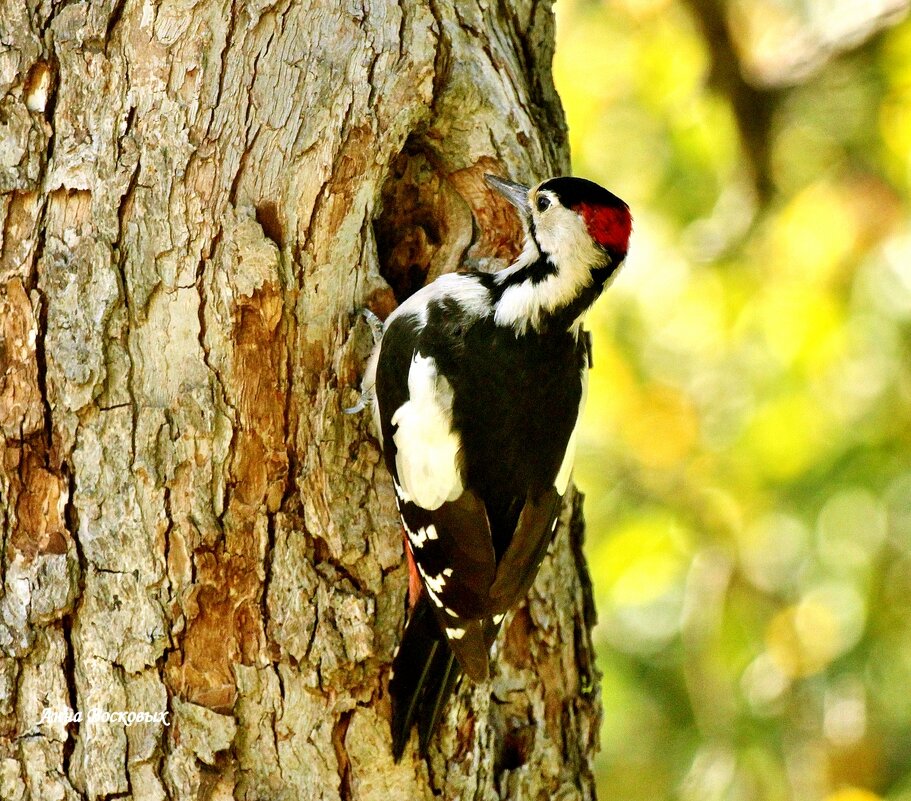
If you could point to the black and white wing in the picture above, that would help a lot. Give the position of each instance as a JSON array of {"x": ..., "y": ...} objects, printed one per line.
[{"x": 445, "y": 521}]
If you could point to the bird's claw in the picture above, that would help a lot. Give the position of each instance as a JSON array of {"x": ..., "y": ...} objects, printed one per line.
[
  {"x": 375, "y": 323},
  {"x": 359, "y": 406},
  {"x": 376, "y": 331}
]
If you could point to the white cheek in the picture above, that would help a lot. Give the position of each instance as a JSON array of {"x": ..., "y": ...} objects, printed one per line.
[{"x": 563, "y": 235}]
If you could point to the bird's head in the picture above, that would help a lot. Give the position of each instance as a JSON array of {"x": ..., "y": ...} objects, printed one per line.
[
  {"x": 571, "y": 220},
  {"x": 576, "y": 235}
]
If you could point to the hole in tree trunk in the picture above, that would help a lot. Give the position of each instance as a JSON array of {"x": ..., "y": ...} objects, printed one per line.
[{"x": 425, "y": 226}]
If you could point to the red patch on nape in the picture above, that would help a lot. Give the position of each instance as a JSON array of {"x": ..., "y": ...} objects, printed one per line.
[{"x": 609, "y": 226}]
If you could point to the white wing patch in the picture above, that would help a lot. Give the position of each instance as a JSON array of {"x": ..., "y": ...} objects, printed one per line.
[
  {"x": 427, "y": 447},
  {"x": 436, "y": 583},
  {"x": 400, "y": 495},
  {"x": 417, "y": 538},
  {"x": 433, "y": 587},
  {"x": 566, "y": 467},
  {"x": 471, "y": 295}
]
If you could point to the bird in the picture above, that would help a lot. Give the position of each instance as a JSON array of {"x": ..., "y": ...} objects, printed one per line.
[{"x": 476, "y": 385}]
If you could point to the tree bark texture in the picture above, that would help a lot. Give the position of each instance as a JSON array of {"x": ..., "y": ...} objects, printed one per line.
[{"x": 196, "y": 196}]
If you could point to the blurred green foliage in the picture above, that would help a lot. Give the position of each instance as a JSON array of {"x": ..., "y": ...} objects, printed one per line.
[{"x": 747, "y": 440}]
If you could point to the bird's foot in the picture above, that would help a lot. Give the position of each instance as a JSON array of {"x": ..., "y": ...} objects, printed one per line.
[
  {"x": 375, "y": 323},
  {"x": 376, "y": 331}
]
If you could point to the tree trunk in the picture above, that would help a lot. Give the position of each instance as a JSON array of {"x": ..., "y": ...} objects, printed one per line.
[{"x": 197, "y": 196}]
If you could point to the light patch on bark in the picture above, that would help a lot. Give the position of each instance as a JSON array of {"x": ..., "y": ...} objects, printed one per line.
[{"x": 21, "y": 408}]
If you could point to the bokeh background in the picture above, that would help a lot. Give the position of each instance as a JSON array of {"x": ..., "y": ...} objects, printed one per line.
[{"x": 747, "y": 441}]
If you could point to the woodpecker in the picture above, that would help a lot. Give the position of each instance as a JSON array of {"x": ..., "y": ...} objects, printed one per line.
[{"x": 476, "y": 386}]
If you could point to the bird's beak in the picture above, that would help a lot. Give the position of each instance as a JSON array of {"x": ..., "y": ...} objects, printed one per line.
[{"x": 513, "y": 192}]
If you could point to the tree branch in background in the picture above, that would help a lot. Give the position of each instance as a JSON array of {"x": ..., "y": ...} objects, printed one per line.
[
  {"x": 756, "y": 83},
  {"x": 754, "y": 107}
]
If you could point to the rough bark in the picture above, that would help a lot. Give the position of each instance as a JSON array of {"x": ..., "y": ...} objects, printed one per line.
[{"x": 196, "y": 196}]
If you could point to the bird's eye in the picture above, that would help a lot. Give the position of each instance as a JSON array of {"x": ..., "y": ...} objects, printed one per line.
[{"x": 543, "y": 203}]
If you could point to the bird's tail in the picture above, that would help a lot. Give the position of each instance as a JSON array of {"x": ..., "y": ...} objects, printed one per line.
[{"x": 424, "y": 674}]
